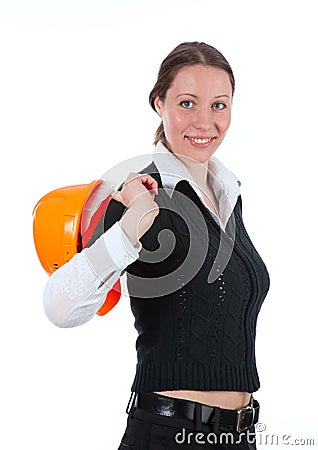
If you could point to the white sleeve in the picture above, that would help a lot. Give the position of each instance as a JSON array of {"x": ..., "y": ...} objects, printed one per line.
[{"x": 76, "y": 291}]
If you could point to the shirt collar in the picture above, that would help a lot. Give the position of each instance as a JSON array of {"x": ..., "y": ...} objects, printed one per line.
[{"x": 223, "y": 181}]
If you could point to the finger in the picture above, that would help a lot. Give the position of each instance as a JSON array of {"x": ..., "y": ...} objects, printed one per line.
[
  {"x": 145, "y": 179},
  {"x": 116, "y": 195},
  {"x": 154, "y": 187},
  {"x": 151, "y": 184}
]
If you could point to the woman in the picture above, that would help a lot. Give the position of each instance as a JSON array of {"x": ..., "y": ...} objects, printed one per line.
[{"x": 195, "y": 280}]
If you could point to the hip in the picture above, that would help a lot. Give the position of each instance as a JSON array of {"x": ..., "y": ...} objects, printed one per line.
[
  {"x": 161, "y": 422},
  {"x": 222, "y": 399}
]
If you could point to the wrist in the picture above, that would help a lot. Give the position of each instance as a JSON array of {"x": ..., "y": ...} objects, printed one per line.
[{"x": 137, "y": 220}]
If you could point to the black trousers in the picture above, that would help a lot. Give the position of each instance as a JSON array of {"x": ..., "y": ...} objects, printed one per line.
[{"x": 147, "y": 431}]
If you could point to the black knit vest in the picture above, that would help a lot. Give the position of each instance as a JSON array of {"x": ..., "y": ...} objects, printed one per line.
[{"x": 195, "y": 293}]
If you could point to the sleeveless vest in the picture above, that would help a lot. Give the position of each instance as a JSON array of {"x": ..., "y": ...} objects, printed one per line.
[{"x": 195, "y": 293}]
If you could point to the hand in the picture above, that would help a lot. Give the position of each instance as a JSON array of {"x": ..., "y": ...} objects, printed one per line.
[
  {"x": 137, "y": 195},
  {"x": 137, "y": 187}
]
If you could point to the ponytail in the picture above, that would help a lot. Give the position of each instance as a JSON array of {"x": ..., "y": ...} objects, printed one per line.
[{"x": 160, "y": 134}]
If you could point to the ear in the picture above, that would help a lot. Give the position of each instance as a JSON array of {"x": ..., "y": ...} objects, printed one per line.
[{"x": 158, "y": 105}]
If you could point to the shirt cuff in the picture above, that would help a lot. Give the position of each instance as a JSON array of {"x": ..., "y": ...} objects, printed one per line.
[
  {"x": 119, "y": 246},
  {"x": 112, "y": 252}
]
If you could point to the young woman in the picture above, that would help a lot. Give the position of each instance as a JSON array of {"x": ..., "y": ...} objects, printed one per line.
[{"x": 195, "y": 281}]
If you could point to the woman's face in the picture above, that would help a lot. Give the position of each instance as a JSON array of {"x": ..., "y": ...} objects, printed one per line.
[{"x": 196, "y": 112}]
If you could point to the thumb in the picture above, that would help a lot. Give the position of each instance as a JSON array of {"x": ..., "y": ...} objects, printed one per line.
[{"x": 116, "y": 195}]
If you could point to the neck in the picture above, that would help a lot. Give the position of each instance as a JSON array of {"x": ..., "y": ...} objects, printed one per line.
[{"x": 197, "y": 170}]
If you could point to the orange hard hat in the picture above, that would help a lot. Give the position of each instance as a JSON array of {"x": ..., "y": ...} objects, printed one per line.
[{"x": 57, "y": 229}]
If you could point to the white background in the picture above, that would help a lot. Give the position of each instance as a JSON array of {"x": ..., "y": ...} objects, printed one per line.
[{"x": 74, "y": 83}]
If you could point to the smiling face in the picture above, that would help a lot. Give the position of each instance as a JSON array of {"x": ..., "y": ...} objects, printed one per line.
[{"x": 196, "y": 111}]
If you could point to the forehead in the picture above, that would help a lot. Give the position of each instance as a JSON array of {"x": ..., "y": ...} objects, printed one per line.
[{"x": 201, "y": 79}]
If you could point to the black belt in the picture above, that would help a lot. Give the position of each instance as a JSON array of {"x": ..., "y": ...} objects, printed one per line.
[{"x": 162, "y": 405}]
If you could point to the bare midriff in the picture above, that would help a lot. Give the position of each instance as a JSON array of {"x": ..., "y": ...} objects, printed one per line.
[{"x": 223, "y": 399}]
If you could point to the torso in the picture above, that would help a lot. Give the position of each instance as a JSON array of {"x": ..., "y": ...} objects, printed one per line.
[{"x": 223, "y": 399}]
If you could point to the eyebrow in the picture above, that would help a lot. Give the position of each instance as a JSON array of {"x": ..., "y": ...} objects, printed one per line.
[
  {"x": 186, "y": 93},
  {"x": 195, "y": 96},
  {"x": 223, "y": 95}
]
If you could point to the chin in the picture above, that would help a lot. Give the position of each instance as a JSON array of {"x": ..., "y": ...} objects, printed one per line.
[{"x": 202, "y": 157}]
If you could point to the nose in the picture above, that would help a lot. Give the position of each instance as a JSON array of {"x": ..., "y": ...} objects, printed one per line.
[{"x": 203, "y": 119}]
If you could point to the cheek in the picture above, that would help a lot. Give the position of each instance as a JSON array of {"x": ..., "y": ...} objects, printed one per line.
[
  {"x": 173, "y": 123},
  {"x": 224, "y": 123},
  {"x": 180, "y": 121}
]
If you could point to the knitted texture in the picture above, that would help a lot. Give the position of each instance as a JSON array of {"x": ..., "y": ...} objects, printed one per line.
[{"x": 194, "y": 333}]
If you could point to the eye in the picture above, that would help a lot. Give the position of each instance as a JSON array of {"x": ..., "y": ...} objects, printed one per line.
[
  {"x": 187, "y": 104},
  {"x": 218, "y": 106}
]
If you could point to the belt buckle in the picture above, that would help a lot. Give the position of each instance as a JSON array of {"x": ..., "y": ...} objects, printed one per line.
[{"x": 241, "y": 415}]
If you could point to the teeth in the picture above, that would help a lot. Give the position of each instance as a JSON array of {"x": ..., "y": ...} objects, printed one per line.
[{"x": 200, "y": 141}]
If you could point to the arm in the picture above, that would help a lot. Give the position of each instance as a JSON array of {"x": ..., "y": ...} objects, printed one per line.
[{"x": 75, "y": 292}]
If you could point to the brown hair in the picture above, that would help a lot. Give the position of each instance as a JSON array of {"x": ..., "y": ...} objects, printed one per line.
[{"x": 185, "y": 54}]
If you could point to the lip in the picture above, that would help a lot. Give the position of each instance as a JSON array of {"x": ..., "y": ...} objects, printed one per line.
[{"x": 200, "y": 141}]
